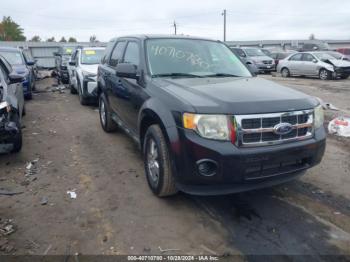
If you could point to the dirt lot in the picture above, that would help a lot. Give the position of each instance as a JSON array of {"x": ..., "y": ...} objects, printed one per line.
[{"x": 115, "y": 212}]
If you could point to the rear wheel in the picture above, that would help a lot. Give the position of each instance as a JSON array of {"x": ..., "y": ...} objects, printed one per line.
[
  {"x": 107, "y": 123},
  {"x": 157, "y": 163},
  {"x": 285, "y": 72},
  {"x": 324, "y": 74},
  {"x": 344, "y": 76}
]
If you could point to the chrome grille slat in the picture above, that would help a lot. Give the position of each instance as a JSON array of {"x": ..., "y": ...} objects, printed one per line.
[{"x": 301, "y": 122}]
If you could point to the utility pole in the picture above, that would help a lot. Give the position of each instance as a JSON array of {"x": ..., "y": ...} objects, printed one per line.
[
  {"x": 175, "y": 26},
  {"x": 224, "y": 14}
]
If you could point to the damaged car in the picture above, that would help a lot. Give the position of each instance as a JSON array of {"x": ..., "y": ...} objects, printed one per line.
[
  {"x": 319, "y": 64},
  {"x": 83, "y": 75},
  {"x": 11, "y": 108},
  {"x": 21, "y": 66},
  {"x": 205, "y": 124}
]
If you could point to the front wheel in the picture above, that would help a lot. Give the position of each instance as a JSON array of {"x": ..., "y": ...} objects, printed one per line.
[
  {"x": 107, "y": 123},
  {"x": 157, "y": 163},
  {"x": 83, "y": 101},
  {"x": 324, "y": 74}
]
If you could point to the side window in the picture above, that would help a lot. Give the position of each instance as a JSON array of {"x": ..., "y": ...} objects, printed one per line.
[
  {"x": 296, "y": 57},
  {"x": 308, "y": 57},
  {"x": 117, "y": 54},
  {"x": 132, "y": 54}
]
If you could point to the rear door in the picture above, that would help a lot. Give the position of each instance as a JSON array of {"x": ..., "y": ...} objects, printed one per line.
[{"x": 128, "y": 91}]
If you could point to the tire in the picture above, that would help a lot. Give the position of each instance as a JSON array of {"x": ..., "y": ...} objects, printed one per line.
[
  {"x": 157, "y": 165},
  {"x": 24, "y": 112},
  {"x": 107, "y": 123},
  {"x": 17, "y": 143},
  {"x": 72, "y": 89},
  {"x": 285, "y": 72},
  {"x": 324, "y": 74},
  {"x": 29, "y": 96},
  {"x": 344, "y": 77},
  {"x": 83, "y": 100}
]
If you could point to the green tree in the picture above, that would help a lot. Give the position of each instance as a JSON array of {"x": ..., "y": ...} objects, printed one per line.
[
  {"x": 10, "y": 30},
  {"x": 63, "y": 40},
  {"x": 51, "y": 39},
  {"x": 72, "y": 40},
  {"x": 35, "y": 38}
]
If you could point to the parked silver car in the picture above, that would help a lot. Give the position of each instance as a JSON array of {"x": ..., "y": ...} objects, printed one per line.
[
  {"x": 260, "y": 59},
  {"x": 318, "y": 64}
]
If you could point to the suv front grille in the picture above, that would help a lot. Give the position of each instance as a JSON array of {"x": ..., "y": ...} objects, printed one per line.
[
  {"x": 260, "y": 130},
  {"x": 267, "y": 62}
]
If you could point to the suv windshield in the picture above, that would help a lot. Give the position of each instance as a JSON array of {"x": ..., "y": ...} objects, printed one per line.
[
  {"x": 192, "y": 58},
  {"x": 13, "y": 57},
  {"x": 91, "y": 56},
  {"x": 254, "y": 52}
]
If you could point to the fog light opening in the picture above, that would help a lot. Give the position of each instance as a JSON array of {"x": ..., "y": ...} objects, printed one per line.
[{"x": 207, "y": 167}]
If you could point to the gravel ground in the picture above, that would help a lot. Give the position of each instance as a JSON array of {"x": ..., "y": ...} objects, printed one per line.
[{"x": 114, "y": 212}]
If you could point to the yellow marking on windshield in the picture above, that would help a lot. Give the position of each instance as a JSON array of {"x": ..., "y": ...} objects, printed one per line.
[{"x": 90, "y": 52}]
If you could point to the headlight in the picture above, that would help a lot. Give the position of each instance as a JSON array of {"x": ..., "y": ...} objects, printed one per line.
[
  {"x": 319, "y": 116},
  {"x": 218, "y": 127}
]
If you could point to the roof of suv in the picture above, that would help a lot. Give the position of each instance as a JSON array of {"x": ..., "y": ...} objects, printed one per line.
[
  {"x": 9, "y": 49},
  {"x": 157, "y": 36}
]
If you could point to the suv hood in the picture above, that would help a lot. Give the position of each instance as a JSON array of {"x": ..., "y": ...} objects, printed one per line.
[
  {"x": 261, "y": 58},
  {"x": 236, "y": 95},
  {"x": 89, "y": 68}
]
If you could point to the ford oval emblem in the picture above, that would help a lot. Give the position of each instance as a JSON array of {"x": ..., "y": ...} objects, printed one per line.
[{"x": 283, "y": 129}]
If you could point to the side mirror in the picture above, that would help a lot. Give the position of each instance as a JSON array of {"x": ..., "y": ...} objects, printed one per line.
[
  {"x": 72, "y": 63},
  {"x": 126, "y": 70},
  {"x": 314, "y": 61},
  {"x": 15, "y": 78},
  {"x": 30, "y": 63}
]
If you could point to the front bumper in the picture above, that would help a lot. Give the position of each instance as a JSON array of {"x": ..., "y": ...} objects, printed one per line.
[
  {"x": 266, "y": 67},
  {"x": 90, "y": 88},
  {"x": 27, "y": 90},
  {"x": 8, "y": 134},
  {"x": 242, "y": 169}
]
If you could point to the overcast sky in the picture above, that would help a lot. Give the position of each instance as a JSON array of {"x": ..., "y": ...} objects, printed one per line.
[{"x": 246, "y": 20}]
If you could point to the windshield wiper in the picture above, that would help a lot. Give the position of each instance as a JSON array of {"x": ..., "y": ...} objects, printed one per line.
[
  {"x": 176, "y": 75},
  {"x": 221, "y": 75}
]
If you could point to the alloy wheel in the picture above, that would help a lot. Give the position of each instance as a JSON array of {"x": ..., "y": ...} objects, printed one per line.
[
  {"x": 153, "y": 162},
  {"x": 103, "y": 112}
]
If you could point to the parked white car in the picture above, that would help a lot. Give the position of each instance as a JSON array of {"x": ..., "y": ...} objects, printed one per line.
[
  {"x": 83, "y": 73},
  {"x": 318, "y": 64}
]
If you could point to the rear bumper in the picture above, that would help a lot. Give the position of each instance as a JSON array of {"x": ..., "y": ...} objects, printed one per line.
[{"x": 243, "y": 169}]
